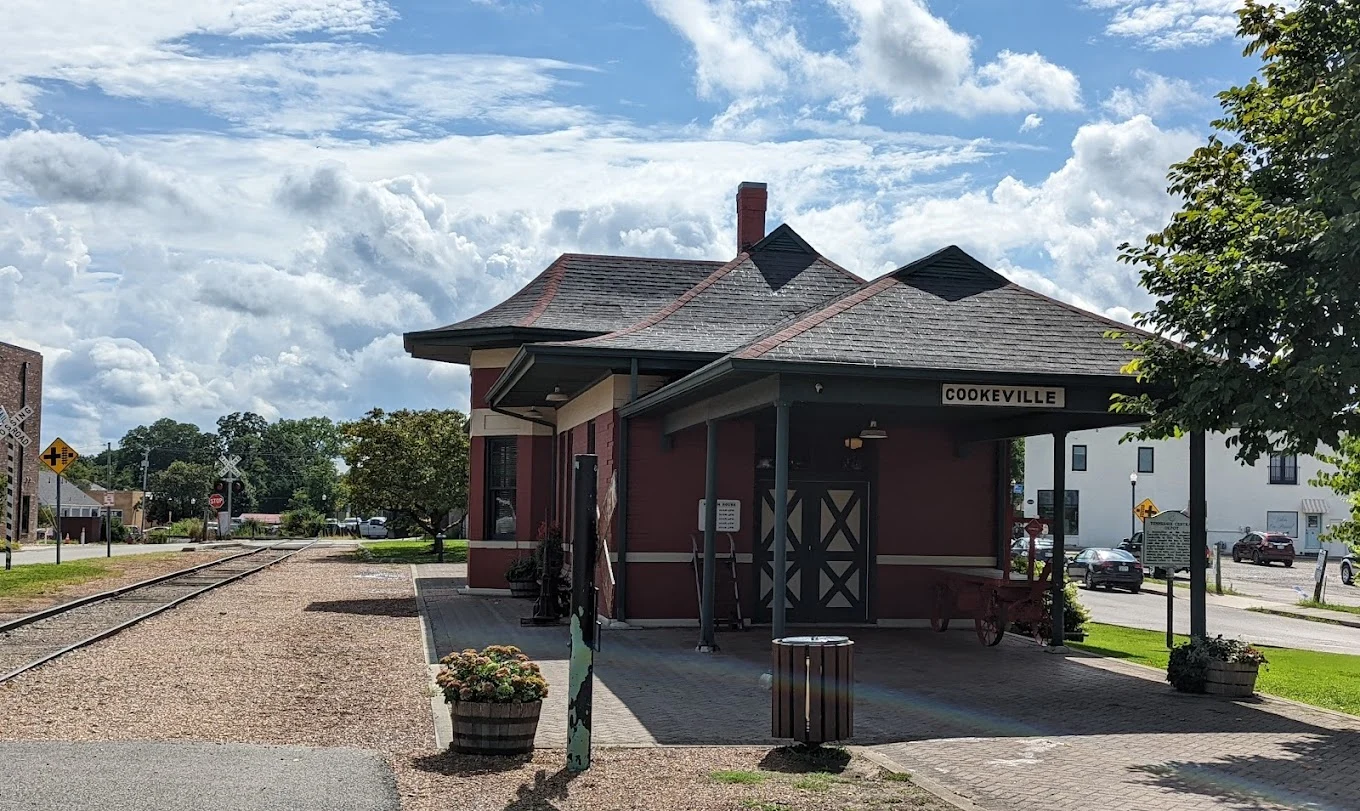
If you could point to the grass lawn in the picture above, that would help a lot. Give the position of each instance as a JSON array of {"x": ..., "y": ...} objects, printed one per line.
[
  {"x": 34, "y": 579},
  {"x": 411, "y": 551},
  {"x": 1349, "y": 609},
  {"x": 1330, "y": 680}
]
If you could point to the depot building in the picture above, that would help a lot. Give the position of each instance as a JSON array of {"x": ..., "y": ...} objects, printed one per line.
[{"x": 886, "y": 406}]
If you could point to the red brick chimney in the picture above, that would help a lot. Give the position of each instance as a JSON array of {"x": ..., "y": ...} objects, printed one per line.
[{"x": 751, "y": 198}]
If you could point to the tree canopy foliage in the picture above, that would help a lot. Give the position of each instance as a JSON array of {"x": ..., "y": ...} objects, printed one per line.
[
  {"x": 413, "y": 464},
  {"x": 1258, "y": 275}
]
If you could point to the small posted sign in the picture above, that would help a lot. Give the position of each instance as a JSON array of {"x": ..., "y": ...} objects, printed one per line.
[
  {"x": 729, "y": 515},
  {"x": 1320, "y": 575}
]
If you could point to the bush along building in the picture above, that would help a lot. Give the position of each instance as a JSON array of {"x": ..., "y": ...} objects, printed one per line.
[
  {"x": 862, "y": 425},
  {"x": 21, "y": 381}
]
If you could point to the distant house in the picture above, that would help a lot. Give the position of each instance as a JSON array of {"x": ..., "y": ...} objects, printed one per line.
[
  {"x": 127, "y": 504},
  {"x": 78, "y": 511},
  {"x": 268, "y": 519}
]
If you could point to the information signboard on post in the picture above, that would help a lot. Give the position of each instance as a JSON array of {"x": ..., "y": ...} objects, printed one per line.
[{"x": 1166, "y": 542}]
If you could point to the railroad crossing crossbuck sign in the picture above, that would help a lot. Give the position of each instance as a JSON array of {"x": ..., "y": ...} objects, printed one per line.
[
  {"x": 1145, "y": 509},
  {"x": 229, "y": 466},
  {"x": 9, "y": 426},
  {"x": 58, "y": 456}
]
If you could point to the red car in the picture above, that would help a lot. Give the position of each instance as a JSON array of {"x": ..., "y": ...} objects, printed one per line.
[{"x": 1264, "y": 547}]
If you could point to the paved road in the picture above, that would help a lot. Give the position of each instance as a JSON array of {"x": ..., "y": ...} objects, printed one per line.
[
  {"x": 1147, "y": 610},
  {"x": 193, "y": 776}
]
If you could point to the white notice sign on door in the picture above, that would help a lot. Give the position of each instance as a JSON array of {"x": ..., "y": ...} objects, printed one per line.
[{"x": 729, "y": 515}]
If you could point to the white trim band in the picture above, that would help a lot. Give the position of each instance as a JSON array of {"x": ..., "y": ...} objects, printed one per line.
[
  {"x": 987, "y": 561},
  {"x": 502, "y": 544}
]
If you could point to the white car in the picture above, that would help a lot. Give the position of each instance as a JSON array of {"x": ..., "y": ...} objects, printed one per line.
[{"x": 373, "y": 528}]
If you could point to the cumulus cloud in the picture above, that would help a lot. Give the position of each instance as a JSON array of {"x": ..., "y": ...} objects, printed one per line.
[
  {"x": 1157, "y": 96},
  {"x": 901, "y": 53},
  {"x": 69, "y": 168},
  {"x": 1169, "y": 24},
  {"x": 1031, "y": 122}
]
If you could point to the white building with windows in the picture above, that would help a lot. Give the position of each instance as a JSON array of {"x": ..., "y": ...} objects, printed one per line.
[{"x": 1106, "y": 478}]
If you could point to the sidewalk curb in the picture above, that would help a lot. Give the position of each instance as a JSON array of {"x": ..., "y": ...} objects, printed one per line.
[
  {"x": 925, "y": 783},
  {"x": 1280, "y": 612}
]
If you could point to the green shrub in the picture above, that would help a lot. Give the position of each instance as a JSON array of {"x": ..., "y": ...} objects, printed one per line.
[
  {"x": 498, "y": 674},
  {"x": 187, "y": 528},
  {"x": 252, "y": 529},
  {"x": 158, "y": 535},
  {"x": 117, "y": 530},
  {"x": 1188, "y": 666},
  {"x": 303, "y": 523},
  {"x": 522, "y": 568},
  {"x": 1075, "y": 615}
]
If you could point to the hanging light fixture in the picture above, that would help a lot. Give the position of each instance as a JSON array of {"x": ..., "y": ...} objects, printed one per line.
[
  {"x": 873, "y": 431},
  {"x": 533, "y": 411},
  {"x": 556, "y": 395}
]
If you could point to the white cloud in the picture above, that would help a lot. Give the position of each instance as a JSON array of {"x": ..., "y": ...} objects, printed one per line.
[
  {"x": 1167, "y": 24},
  {"x": 69, "y": 168},
  {"x": 1158, "y": 96},
  {"x": 901, "y": 53},
  {"x": 1031, "y": 122}
]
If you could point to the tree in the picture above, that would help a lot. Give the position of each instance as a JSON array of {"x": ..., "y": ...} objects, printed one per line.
[
  {"x": 1345, "y": 481},
  {"x": 1258, "y": 275},
  {"x": 182, "y": 488},
  {"x": 409, "y": 463}
]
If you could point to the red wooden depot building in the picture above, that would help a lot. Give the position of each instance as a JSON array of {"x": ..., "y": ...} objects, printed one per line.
[{"x": 872, "y": 414}]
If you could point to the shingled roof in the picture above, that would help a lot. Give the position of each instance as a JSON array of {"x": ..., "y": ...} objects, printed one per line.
[
  {"x": 775, "y": 279},
  {"x": 948, "y": 311}
]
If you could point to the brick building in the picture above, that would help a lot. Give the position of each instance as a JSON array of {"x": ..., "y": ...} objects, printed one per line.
[
  {"x": 874, "y": 416},
  {"x": 21, "y": 379}
]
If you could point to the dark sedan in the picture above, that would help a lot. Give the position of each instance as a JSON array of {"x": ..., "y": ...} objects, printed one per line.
[
  {"x": 1043, "y": 549},
  {"x": 1263, "y": 548},
  {"x": 1111, "y": 568}
]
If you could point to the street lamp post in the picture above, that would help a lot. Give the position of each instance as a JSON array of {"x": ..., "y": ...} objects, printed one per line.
[{"x": 1133, "y": 505}]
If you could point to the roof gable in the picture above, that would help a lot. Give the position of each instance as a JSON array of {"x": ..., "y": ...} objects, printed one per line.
[
  {"x": 948, "y": 311},
  {"x": 778, "y": 278}
]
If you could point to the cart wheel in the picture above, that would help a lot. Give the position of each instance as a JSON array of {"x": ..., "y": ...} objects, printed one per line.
[
  {"x": 991, "y": 625},
  {"x": 938, "y": 621}
]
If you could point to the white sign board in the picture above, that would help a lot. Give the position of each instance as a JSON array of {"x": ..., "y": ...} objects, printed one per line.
[
  {"x": 108, "y": 499},
  {"x": 729, "y": 515},
  {"x": 1167, "y": 541},
  {"x": 976, "y": 394},
  {"x": 1320, "y": 572}
]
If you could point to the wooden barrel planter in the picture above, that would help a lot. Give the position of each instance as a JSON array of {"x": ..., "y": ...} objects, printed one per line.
[
  {"x": 1231, "y": 679},
  {"x": 523, "y": 588},
  {"x": 494, "y": 729}
]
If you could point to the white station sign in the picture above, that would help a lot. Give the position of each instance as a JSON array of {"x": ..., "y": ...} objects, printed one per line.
[
  {"x": 976, "y": 394},
  {"x": 1166, "y": 544},
  {"x": 729, "y": 515}
]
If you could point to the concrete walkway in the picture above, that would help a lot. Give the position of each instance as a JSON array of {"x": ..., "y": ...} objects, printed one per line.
[
  {"x": 193, "y": 776},
  {"x": 1011, "y": 728}
]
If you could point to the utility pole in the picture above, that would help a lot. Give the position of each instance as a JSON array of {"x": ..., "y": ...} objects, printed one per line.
[
  {"x": 146, "y": 461},
  {"x": 108, "y": 507}
]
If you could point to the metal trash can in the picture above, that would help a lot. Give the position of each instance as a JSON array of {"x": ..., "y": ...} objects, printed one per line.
[{"x": 812, "y": 690}]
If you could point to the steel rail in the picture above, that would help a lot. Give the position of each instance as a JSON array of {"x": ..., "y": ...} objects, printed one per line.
[{"x": 115, "y": 593}]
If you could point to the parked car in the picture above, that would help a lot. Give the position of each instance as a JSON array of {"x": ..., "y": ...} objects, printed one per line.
[
  {"x": 1263, "y": 547},
  {"x": 1043, "y": 549},
  {"x": 1108, "y": 568},
  {"x": 373, "y": 528},
  {"x": 1348, "y": 567}
]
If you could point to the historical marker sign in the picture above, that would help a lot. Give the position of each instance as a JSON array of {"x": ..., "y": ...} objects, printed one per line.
[
  {"x": 1166, "y": 544},
  {"x": 58, "y": 456}
]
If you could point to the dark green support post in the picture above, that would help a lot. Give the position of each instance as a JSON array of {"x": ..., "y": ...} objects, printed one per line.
[
  {"x": 1058, "y": 565},
  {"x": 707, "y": 644},
  {"x": 581, "y": 675},
  {"x": 779, "y": 580},
  {"x": 1199, "y": 541},
  {"x": 439, "y": 546}
]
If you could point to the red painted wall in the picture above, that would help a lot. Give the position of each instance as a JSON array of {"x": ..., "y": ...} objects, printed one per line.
[
  {"x": 665, "y": 486},
  {"x": 476, "y": 523},
  {"x": 482, "y": 379},
  {"x": 931, "y": 501}
]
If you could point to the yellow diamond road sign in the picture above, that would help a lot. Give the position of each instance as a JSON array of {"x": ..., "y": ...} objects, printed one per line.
[
  {"x": 59, "y": 456},
  {"x": 1145, "y": 509}
]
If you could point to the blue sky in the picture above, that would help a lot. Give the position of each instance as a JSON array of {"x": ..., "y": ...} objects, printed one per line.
[{"x": 241, "y": 205}]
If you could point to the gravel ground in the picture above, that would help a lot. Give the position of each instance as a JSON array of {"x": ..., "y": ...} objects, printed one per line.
[
  {"x": 325, "y": 651},
  {"x": 124, "y": 570}
]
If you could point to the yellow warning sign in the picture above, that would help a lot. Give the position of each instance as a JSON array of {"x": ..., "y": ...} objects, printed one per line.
[
  {"x": 59, "y": 456},
  {"x": 1145, "y": 509}
]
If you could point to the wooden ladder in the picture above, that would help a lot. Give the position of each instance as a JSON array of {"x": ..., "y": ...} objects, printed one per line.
[{"x": 726, "y": 598}]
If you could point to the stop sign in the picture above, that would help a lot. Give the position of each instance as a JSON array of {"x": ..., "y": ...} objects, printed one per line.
[
  {"x": 216, "y": 501},
  {"x": 1035, "y": 527}
]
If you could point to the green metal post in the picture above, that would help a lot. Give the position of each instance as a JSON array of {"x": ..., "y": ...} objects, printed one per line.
[
  {"x": 707, "y": 644},
  {"x": 779, "y": 581},
  {"x": 581, "y": 675}
]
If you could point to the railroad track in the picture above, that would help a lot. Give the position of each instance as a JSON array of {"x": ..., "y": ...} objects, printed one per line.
[{"x": 41, "y": 637}]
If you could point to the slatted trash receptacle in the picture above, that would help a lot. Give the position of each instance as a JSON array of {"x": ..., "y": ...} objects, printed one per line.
[{"x": 812, "y": 689}]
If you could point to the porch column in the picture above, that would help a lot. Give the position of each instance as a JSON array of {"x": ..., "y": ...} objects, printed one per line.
[
  {"x": 780, "y": 575},
  {"x": 1199, "y": 521},
  {"x": 707, "y": 644},
  {"x": 1058, "y": 566}
]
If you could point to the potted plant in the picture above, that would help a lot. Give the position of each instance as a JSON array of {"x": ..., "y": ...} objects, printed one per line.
[
  {"x": 1218, "y": 666},
  {"x": 495, "y": 696},
  {"x": 522, "y": 575}
]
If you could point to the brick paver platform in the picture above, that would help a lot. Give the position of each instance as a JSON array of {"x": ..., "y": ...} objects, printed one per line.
[{"x": 1011, "y": 727}]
